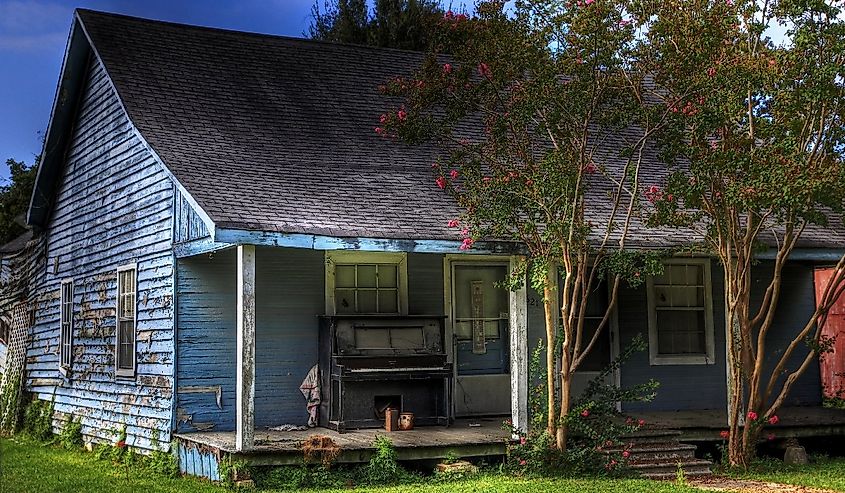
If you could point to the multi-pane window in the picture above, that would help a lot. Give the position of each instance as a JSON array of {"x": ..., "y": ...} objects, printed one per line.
[
  {"x": 681, "y": 313},
  {"x": 366, "y": 288},
  {"x": 125, "y": 318},
  {"x": 66, "y": 330}
]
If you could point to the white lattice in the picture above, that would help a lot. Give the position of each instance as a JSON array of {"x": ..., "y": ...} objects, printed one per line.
[{"x": 11, "y": 380}]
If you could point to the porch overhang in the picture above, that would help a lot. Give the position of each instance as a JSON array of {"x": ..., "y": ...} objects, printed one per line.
[{"x": 228, "y": 238}]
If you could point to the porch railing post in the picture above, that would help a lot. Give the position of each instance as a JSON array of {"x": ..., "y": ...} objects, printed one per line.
[
  {"x": 245, "y": 426},
  {"x": 519, "y": 355}
]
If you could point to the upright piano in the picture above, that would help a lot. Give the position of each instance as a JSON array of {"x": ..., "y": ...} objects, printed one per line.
[{"x": 369, "y": 363}]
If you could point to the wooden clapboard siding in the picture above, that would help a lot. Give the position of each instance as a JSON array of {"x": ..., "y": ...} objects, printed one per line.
[
  {"x": 188, "y": 224},
  {"x": 113, "y": 207}
]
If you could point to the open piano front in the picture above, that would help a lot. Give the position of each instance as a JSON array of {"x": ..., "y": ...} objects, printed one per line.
[{"x": 369, "y": 363}]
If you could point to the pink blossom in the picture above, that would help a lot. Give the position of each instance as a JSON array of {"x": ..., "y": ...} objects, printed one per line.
[
  {"x": 752, "y": 415},
  {"x": 486, "y": 179},
  {"x": 626, "y": 454},
  {"x": 772, "y": 63},
  {"x": 382, "y": 119},
  {"x": 447, "y": 68},
  {"x": 465, "y": 232},
  {"x": 729, "y": 2},
  {"x": 484, "y": 70},
  {"x": 454, "y": 174},
  {"x": 402, "y": 115},
  {"x": 588, "y": 2},
  {"x": 433, "y": 165},
  {"x": 453, "y": 223},
  {"x": 774, "y": 420},
  {"x": 640, "y": 422},
  {"x": 590, "y": 168},
  {"x": 523, "y": 462},
  {"x": 714, "y": 145},
  {"x": 585, "y": 413},
  {"x": 441, "y": 182},
  {"x": 522, "y": 440},
  {"x": 670, "y": 197},
  {"x": 379, "y": 130},
  {"x": 624, "y": 22},
  {"x": 724, "y": 434},
  {"x": 467, "y": 244},
  {"x": 711, "y": 71},
  {"x": 770, "y": 437}
]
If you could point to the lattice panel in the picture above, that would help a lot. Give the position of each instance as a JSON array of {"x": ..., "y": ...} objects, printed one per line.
[{"x": 11, "y": 381}]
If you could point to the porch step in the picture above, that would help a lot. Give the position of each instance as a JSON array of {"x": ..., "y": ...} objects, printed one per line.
[{"x": 657, "y": 454}]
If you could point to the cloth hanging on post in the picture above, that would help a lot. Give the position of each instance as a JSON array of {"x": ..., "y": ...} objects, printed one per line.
[{"x": 310, "y": 389}]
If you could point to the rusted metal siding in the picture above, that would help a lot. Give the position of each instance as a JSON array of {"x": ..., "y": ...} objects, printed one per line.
[
  {"x": 832, "y": 364},
  {"x": 114, "y": 207}
]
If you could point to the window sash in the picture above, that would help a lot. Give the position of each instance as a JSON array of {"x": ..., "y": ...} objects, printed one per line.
[
  {"x": 377, "y": 300},
  {"x": 66, "y": 324},
  {"x": 683, "y": 289},
  {"x": 125, "y": 321}
]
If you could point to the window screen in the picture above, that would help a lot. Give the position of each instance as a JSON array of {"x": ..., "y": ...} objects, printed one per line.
[
  {"x": 126, "y": 301},
  {"x": 66, "y": 334},
  {"x": 680, "y": 309}
]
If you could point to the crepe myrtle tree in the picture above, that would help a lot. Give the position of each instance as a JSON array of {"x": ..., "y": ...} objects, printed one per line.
[
  {"x": 757, "y": 143},
  {"x": 523, "y": 103}
]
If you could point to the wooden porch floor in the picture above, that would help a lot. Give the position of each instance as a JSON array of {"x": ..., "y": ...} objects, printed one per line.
[
  {"x": 484, "y": 438},
  {"x": 705, "y": 425}
]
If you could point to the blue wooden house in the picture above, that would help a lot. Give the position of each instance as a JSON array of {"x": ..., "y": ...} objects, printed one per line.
[{"x": 206, "y": 196}]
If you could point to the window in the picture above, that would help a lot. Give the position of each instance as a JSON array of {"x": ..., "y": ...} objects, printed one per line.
[
  {"x": 480, "y": 317},
  {"x": 66, "y": 331},
  {"x": 680, "y": 314},
  {"x": 366, "y": 283},
  {"x": 125, "y": 319}
]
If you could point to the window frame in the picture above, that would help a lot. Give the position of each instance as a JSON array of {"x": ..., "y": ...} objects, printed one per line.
[
  {"x": 118, "y": 371},
  {"x": 706, "y": 358},
  {"x": 66, "y": 319},
  {"x": 346, "y": 257}
]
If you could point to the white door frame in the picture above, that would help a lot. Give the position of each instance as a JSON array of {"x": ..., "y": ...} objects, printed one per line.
[{"x": 518, "y": 324}]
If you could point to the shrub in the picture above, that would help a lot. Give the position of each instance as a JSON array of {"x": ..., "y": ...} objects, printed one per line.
[
  {"x": 596, "y": 427},
  {"x": 71, "y": 435},
  {"x": 38, "y": 420}
]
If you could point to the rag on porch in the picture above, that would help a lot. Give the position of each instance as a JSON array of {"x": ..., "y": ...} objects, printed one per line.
[{"x": 310, "y": 388}]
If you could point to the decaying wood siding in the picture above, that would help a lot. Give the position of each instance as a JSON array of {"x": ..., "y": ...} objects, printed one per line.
[
  {"x": 188, "y": 224},
  {"x": 114, "y": 207}
]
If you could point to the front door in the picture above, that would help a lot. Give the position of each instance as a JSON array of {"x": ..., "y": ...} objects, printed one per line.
[
  {"x": 601, "y": 355},
  {"x": 479, "y": 321}
]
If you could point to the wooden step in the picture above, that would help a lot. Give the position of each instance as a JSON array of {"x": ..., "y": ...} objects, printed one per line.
[{"x": 694, "y": 467}]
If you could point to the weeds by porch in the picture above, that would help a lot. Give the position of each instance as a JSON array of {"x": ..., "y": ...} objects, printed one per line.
[
  {"x": 822, "y": 472},
  {"x": 27, "y": 466}
]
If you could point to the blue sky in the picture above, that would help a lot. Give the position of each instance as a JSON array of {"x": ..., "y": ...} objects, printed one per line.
[{"x": 33, "y": 34}]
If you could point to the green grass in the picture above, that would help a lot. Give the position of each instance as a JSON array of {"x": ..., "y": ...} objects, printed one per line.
[
  {"x": 35, "y": 468},
  {"x": 822, "y": 472}
]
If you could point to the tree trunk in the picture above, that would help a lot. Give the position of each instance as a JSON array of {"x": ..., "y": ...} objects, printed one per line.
[
  {"x": 551, "y": 334},
  {"x": 565, "y": 402}
]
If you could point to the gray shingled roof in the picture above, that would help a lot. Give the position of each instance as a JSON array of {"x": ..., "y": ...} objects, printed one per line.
[{"x": 271, "y": 133}]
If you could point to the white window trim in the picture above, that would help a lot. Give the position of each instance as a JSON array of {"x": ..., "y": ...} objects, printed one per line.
[
  {"x": 125, "y": 372},
  {"x": 334, "y": 257},
  {"x": 64, "y": 367},
  {"x": 692, "y": 359}
]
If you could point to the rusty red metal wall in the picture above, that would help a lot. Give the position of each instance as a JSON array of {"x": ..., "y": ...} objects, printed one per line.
[{"x": 833, "y": 363}]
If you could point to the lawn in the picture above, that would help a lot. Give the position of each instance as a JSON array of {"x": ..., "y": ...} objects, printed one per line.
[
  {"x": 822, "y": 472},
  {"x": 34, "y": 468}
]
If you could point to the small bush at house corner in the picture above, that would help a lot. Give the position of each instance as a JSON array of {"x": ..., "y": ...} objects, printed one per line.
[
  {"x": 71, "y": 435},
  {"x": 38, "y": 420}
]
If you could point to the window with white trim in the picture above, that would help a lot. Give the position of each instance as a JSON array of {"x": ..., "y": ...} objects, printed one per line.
[
  {"x": 126, "y": 321},
  {"x": 66, "y": 319},
  {"x": 366, "y": 283},
  {"x": 680, "y": 314}
]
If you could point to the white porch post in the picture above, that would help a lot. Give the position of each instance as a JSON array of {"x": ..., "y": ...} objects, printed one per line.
[
  {"x": 519, "y": 355},
  {"x": 245, "y": 419}
]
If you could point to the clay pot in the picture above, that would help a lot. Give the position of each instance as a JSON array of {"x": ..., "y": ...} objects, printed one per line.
[
  {"x": 391, "y": 419},
  {"x": 406, "y": 421}
]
